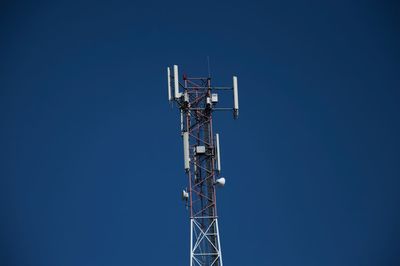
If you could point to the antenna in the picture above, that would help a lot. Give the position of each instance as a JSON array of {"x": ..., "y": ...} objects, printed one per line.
[
  {"x": 181, "y": 121},
  {"x": 235, "y": 98},
  {"x": 220, "y": 181},
  {"x": 186, "y": 150},
  {"x": 218, "y": 152},
  {"x": 176, "y": 82},
  {"x": 169, "y": 84},
  {"x": 202, "y": 161}
]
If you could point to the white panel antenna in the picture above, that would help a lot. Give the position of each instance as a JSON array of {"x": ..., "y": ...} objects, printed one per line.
[
  {"x": 217, "y": 150},
  {"x": 181, "y": 121},
  {"x": 235, "y": 98},
  {"x": 186, "y": 150},
  {"x": 176, "y": 82},
  {"x": 169, "y": 84}
]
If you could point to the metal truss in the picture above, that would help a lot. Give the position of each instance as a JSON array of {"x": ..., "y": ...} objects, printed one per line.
[
  {"x": 205, "y": 247},
  {"x": 201, "y": 237},
  {"x": 197, "y": 103}
]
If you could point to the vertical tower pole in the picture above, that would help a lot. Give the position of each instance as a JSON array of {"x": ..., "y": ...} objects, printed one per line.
[{"x": 197, "y": 102}]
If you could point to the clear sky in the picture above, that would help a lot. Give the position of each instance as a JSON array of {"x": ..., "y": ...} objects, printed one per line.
[{"x": 91, "y": 158}]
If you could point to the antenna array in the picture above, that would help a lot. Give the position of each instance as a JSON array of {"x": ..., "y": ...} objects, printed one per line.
[{"x": 197, "y": 99}]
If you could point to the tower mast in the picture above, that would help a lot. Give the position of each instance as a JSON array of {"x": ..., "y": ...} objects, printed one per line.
[{"x": 197, "y": 102}]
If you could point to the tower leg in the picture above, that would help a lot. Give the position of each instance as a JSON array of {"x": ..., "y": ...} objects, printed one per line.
[
  {"x": 191, "y": 242},
  {"x": 219, "y": 243}
]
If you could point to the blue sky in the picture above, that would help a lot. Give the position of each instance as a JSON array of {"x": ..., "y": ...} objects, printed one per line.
[{"x": 91, "y": 158}]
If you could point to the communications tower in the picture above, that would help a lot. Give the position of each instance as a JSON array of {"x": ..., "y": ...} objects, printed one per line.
[{"x": 197, "y": 99}]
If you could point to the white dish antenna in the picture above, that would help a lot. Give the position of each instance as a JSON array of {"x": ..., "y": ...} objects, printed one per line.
[
  {"x": 235, "y": 98},
  {"x": 220, "y": 181}
]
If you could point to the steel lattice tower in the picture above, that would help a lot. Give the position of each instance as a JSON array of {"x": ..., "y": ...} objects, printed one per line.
[{"x": 197, "y": 102}]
